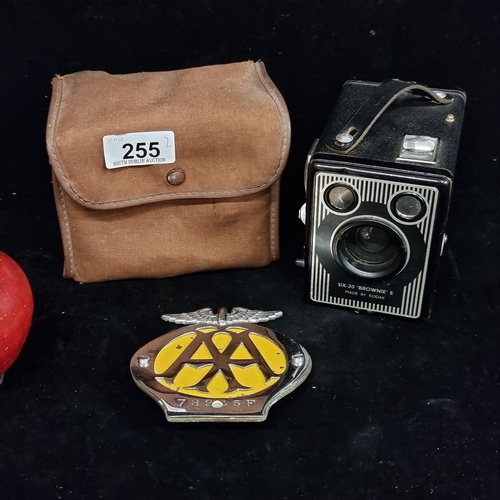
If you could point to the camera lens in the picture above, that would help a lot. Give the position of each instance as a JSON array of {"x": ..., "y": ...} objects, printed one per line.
[
  {"x": 371, "y": 239},
  {"x": 370, "y": 249}
]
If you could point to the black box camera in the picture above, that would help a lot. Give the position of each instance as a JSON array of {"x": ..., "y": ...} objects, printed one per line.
[{"x": 378, "y": 185}]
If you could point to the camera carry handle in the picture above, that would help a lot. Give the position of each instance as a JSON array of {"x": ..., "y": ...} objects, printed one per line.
[{"x": 369, "y": 112}]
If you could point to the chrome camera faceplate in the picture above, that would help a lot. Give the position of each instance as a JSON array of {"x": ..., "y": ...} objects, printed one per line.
[{"x": 331, "y": 282}]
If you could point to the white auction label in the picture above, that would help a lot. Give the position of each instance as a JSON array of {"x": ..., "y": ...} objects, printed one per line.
[{"x": 139, "y": 149}]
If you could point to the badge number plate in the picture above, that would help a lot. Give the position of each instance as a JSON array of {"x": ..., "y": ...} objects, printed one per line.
[{"x": 139, "y": 149}]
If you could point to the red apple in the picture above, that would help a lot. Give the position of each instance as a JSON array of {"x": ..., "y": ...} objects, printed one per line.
[{"x": 16, "y": 311}]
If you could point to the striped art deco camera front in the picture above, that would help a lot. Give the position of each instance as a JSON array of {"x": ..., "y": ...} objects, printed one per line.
[{"x": 378, "y": 185}]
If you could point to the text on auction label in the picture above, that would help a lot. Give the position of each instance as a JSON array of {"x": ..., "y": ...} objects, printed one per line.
[{"x": 139, "y": 149}]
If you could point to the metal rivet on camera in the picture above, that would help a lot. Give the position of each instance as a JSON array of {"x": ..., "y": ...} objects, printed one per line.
[
  {"x": 341, "y": 198},
  {"x": 176, "y": 176},
  {"x": 408, "y": 208},
  {"x": 344, "y": 138},
  {"x": 450, "y": 118}
]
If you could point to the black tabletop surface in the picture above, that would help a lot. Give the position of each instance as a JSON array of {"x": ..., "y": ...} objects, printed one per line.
[{"x": 392, "y": 408}]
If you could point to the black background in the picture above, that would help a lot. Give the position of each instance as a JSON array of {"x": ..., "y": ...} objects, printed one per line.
[{"x": 392, "y": 409}]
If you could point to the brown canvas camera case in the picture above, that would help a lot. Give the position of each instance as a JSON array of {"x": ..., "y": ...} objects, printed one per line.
[{"x": 215, "y": 207}]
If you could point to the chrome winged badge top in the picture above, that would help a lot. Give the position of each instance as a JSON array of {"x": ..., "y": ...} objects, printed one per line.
[
  {"x": 237, "y": 315},
  {"x": 222, "y": 367}
]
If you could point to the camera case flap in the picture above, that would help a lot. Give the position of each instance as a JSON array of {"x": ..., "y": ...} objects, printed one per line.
[
  {"x": 159, "y": 174},
  {"x": 378, "y": 185}
]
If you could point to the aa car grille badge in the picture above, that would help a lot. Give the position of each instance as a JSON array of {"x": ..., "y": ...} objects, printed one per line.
[{"x": 222, "y": 367}]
